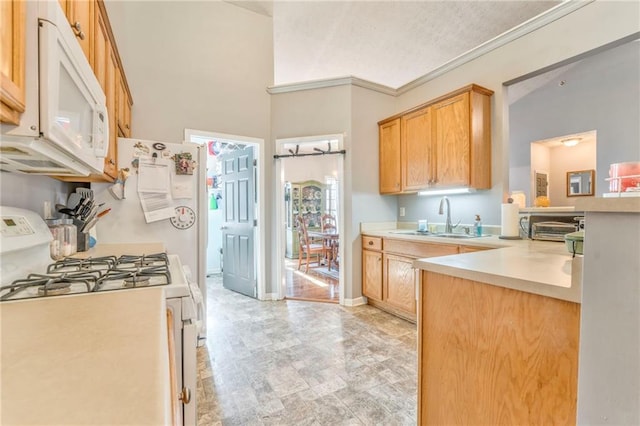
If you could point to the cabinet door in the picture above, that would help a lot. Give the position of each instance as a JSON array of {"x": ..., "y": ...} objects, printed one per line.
[
  {"x": 123, "y": 107},
  {"x": 389, "y": 161},
  {"x": 110, "y": 165},
  {"x": 80, "y": 15},
  {"x": 399, "y": 282},
  {"x": 372, "y": 274},
  {"x": 416, "y": 150},
  {"x": 12, "y": 61},
  {"x": 451, "y": 138}
]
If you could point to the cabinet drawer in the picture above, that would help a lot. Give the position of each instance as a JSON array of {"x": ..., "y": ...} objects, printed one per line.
[
  {"x": 418, "y": 249},
  {"x": 371, "y": 243}
]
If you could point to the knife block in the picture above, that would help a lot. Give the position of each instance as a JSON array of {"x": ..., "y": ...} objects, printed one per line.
[{"x": 83, "y": 241}]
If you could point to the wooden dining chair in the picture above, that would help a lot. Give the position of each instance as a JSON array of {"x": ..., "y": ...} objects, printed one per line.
[
  {"x": 308, "y": 248},
  {"x": 328, "y": 223}
]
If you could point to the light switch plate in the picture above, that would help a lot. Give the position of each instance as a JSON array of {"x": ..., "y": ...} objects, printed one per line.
[{"x": 401, "y": 211}]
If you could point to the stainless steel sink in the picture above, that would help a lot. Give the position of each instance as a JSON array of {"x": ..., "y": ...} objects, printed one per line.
[
  {"x": 412, "y": 232},
  {"x": 437, "y": 234},
  {"x": 454, "y": 235}
]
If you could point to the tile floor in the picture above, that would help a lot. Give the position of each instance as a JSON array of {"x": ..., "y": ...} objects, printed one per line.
[{"x": 304, "y": 363}]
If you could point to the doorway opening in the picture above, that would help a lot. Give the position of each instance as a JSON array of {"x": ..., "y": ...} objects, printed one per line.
[
  {"x": 311, "y": 213},
  {"x": 231, "y": 210}
]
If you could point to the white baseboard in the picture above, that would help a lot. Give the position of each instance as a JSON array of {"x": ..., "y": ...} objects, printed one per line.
[
  {"x": 355, "y": 302},
  {"x": 270, "y": 296}
]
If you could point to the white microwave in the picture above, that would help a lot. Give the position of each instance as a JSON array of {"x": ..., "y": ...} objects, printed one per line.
[{"x": 64, "y": 129}]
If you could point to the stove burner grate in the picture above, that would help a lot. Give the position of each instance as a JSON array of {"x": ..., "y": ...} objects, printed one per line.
[
  {"x": 54, "y": 289},
  {"x": 51, "y": 284},
  {"x": 91, "y": 263},
  {"x": 136, "y": 281}
]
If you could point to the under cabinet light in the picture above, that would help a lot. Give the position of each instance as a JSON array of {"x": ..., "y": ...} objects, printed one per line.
[{"x": 448, "y": 191}]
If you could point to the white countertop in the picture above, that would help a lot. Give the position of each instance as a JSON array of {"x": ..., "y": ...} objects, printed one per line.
[
  {"x": 610, "y": 205},
  {"x": 537, "y": 267},
  {"x": 88, "y": 359}
]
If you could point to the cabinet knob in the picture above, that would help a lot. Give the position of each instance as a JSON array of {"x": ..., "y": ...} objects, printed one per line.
[
  {"x": 79, "y": 33},
  {"x": 127, "y": 126},
  {"x": 370, "y": 243},
  {"x": 112, "y": 162},
  {"x": 185, "y": 395}
]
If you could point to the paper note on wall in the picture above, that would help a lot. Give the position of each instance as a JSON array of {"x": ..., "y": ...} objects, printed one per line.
[
  {"x": 154, "y": 189},
  {"x": 182, "y": 186}
]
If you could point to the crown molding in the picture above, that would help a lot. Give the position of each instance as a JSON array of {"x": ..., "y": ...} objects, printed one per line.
[
  {"x": 331, "y": 82},
  {"x": 500, "y": 40}
]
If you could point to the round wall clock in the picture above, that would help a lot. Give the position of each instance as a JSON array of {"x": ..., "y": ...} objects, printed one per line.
[{"x": 185, "y": 217}]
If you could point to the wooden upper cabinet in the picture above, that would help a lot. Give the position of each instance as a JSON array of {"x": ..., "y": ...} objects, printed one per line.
[
  {"x": 80, "y": 14},
  {"x": 416, "y": 149},
  {"x": 451, "y": 137},
  {"x": 12, "y": 60},
  {"x": 123, "y": 107},
  {"x": 462, "y": 138},
  {"x": 445, "y": 142},
  {"x": 110, "y": 165},
  {"x": 390, "y": 157}
]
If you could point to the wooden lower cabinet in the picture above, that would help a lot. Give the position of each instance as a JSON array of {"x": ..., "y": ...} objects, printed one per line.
[
  {"x": 491, "y": 355},
  {"x": 399, "y": 283},
  {"x": 388, "y": 278},
  {"x": 372, "y": 274}
]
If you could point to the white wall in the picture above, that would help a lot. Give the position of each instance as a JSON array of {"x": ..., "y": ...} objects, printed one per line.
[
  {"x": 569, "y": 158},
  {"x": 309, "y": 168},
  {"x": 30, "y": 192},
  {"x": 562, "y": 39},
  {"x": 200, "y": 65},
  {"x": 353, "y": 112}
]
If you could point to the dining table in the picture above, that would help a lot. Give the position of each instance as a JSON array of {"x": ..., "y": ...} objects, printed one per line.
[{"x": 330, "y": 242}]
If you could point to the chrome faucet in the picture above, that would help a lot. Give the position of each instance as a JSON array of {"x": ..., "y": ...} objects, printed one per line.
[{"x": 447, "y": 227}]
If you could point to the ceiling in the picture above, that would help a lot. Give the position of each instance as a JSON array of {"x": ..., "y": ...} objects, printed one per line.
[{"x": 386, "y": 42}]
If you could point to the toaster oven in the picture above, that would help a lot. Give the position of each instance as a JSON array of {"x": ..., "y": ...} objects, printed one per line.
[
  {"x": 550, "y": 226},
  {"x": 551, "y": 231}
]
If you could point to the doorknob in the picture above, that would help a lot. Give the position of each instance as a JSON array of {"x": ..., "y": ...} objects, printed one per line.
[{"x": 222, "y": 228}]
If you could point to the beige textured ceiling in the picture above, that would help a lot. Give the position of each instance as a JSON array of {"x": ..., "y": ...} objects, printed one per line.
[{"x": 386, "y": 42}]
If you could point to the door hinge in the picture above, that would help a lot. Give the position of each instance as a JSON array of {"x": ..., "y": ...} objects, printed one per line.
[
  {"x": 255, "y": 162},
  {"x": 255, "y": 222}
]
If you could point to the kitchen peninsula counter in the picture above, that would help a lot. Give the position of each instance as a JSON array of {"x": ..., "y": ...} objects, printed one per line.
[
  {"x": 538, "y": 267},
  {"x": 99, "y": 358},
  {"x": 498, "y": 329}
]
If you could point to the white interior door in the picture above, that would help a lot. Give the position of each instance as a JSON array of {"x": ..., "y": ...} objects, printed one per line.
[{"x": 238, "y": 259}]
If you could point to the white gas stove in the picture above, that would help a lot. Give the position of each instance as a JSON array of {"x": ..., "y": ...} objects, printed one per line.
[{"x": 27, "y": 271}]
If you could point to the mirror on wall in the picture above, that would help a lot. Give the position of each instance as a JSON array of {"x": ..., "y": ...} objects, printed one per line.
[{"x": 580, "y": 183}]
